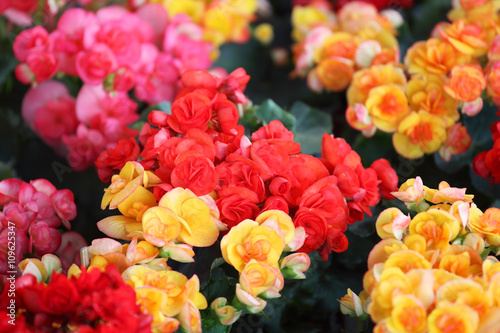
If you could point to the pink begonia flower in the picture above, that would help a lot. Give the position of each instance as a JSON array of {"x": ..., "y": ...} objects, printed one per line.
[
  {"x": 93, "y": 100},
  {"x": 56, "y": 119},
  {"x": 38, "y": 205},
  {"x": 112, "y": 129},
  {"x": 50, "y": 111},
  {"x": 39, "y": 66},
  {"x": 68, "y": 38},
  {"x": 21, "y": 248},
  {"x": 122, "y": 79},
  {"x": 39, "y": 96},
  {"x": 158, "y": 83},
  {"x": 156, "y": 16},
  {"x": 63, "y": 202},
  {"x": 43, "y": 239},
  {"x": 44, "y": 186},
  {"x": 9, "y": 190},
  {"x": 69, "y": 250},
  {"x": 95, "y": 64},
  {"x": 125, "y": 46},
  {"x": 84, "y": 147},
  {"x": 15, "y": 213},
  {"x": 34, "y": 39}
]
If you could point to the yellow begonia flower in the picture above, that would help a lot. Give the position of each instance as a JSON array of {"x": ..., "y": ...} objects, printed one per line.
[
  {"x": 284, "y": 222},
  {"x": 466, "y": 292},
  {"x": 160, "y": 226},
  {"x": 408, "y": 315},
  {"x": 425, "y": 92},
  {"x": 393, "y": 282},
  {"x": 304, "y": 18},
  {"x": 249, "y": 240},
  {"x": 383, "y": 249},
  {"x": 152, "y": 301},
  {"x": 172, "y": 283},
  {"x": 190, "y": 318},
  {"x": 261, "y": 279},
  {"x": 198, "y": 226},
  {"x": 227, "y": 314},
  {"x": 387, "y": 105},
  {"x": 418, "y": 134},
  {"x": 407, "y": 260},
  {"x": 391, "y": 223},
  {"x": 129, "y": 183}
]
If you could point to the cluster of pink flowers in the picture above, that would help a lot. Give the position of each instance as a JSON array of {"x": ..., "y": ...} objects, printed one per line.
[
  {"x": 201, "y": 147},
  {"x": 112, "y": 51},
  {"x": 32, "y": 211}
]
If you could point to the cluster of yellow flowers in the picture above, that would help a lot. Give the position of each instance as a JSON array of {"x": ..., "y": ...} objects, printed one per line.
[
  {"x": 445, "y": 72},
  {"x": 331, "y": 47},
  {"x": 432, "y": 272},
  {"x": 254, "y": 249},
  {"x": 222, "y": 21}
]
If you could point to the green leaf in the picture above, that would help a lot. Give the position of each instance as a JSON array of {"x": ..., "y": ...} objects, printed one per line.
[
  {"x": 310, "y": 124},
  {"x": 269, "y": 110}
]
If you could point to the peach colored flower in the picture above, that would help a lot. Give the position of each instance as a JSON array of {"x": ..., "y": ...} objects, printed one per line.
[
  {"x": 466, "y": 83},
  {"x": 437, "y": 227},
  {"x": 335, "y": 74},
  {"x": 487, "y": 224},
  {"x": 365, "y": 80},
  {"x": 387, "y": 105},
  {"x": 465, "y": 37},
  {"x": 449, "y": 317},
  {"x": 425, "y": 92},
  {"x": 433, "y": 56},
  {"x": 418, "y": 134}
]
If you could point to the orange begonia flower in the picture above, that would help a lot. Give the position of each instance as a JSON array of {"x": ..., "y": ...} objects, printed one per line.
[
  {"x": 466, "y": 83},
  {"x": 457, "y": 142}
]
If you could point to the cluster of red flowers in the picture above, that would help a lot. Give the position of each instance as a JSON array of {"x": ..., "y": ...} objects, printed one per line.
[
  {"x": 32, "y": 211},
  {"x": 96, "y": 301},
  {"x": 199, "y": 146},
  {"x": 487, "y": 163}
]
